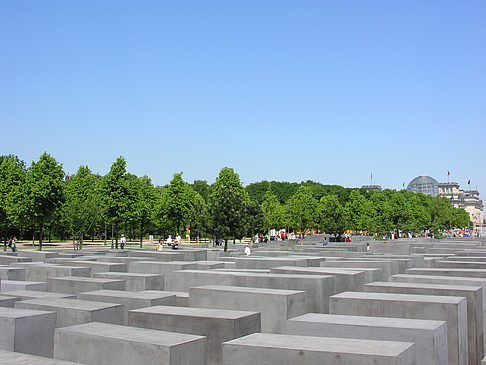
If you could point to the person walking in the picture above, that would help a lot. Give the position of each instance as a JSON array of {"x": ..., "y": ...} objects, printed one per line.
[
  {"x": 123, "y": 240},
  {"x": 12, "y": 245}
]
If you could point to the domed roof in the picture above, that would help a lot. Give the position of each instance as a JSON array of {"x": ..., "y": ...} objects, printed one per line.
[{"x": 425, "y": 185}]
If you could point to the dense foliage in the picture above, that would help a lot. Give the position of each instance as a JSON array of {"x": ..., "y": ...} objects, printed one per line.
[{"x": 41, "y": 198}]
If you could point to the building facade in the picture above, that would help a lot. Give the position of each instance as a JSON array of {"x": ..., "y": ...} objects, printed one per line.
[{"x": 466, "y": 199}]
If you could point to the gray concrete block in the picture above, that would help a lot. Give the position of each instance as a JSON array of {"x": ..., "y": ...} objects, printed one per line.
[
  {"x": 39, "y": 256},
  {"x": 157, "y": 255},
  {"x": 387, "y": 267},
  {"x": 275, "y": 305},
  {"x": 210, "y": 265},
  {"x": 165, "y": 268},
  {"x": 12, "y": 273},
  {"x": 473, "y": 294},
  {"x": 108, "y": 344},
  {"x": 135, "y": 281},
  {"x": 75, "y": 285},
  {"x": 17, "y": 358},
  {"x": 346, "y": 280},
  {"x": 268, "y": 262},
  {"x": 182, "y": 298},
  {"x": 40, "y": 272},
  {"x": 452, "y": 310},
  {"x": 318, "y": 288},
  {"x": 272, "y": 349},
  {"x": 129, "y": 299},
  {"x": 33, "y": 294},
  {"x": 71, "y": 311},
  {"x": 10, "y": 259},
  {"x": 27, "y": 331},
  {"x": 430, "y": 337},
  {"x": 96, "y": 266},
  {"x": 9, "y": 285},
  {"x": 8, "y": 301},
  {"x": 472, "y": 273},
  {"x": 217, "y": 324}
]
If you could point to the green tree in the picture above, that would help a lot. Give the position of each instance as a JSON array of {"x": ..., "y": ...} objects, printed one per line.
[
  {"x": 143, "y": 193},
  {"x": 114, "y": 193},
  {"x": 272, "y": 212},
  {"x": 82, "y": 206},
  {"x": 12, "y": 178},
  {"x": 177, "y": 202},
  {"x": 253, "y": 217},
  {"x": 227, "y": 206},
  {"x": 358, "y": 212},
  {"x": 302, "y": 210},
  {"x": 330, "y": 215},
  {"x": 44, "y": 191},
  {"x": 198, "y": 215},
  {"x": 202, "y": 188}
]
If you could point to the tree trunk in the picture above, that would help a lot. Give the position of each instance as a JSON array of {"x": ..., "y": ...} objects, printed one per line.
[
  {"x": 40, "y": 235},
  {"x": 141, "y": 233}
]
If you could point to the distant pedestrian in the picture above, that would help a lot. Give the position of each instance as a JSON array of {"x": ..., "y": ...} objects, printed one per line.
[
  {"x": 247, "y": 250},
  {"x": 123, "y": 241},
  {"x": 12, "y": 245}
]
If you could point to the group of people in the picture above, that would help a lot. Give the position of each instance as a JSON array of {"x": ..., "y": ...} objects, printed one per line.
[{"x": 174, "y": 244}]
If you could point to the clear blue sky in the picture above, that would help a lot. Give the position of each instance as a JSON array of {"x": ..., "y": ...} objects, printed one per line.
[{"x": 330, "y": 91}]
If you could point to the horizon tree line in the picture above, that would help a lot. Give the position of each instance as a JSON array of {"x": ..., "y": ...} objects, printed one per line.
[{"x": 41, "y": 201}]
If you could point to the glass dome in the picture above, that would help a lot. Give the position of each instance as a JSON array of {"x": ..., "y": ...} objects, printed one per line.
[{"x": 425, "y": 185}]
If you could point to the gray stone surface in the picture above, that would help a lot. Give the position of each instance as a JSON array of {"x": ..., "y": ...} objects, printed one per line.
[
  {"x": 217, "y": 324},
  {"x": 318, "y": 288},
  {"x": 8, "y": 301},
  {"x": 108, "y": 344},
  {"x": 272, "y": 349},
  {"x": 165, "y": 268},
  {"x": 17, "y": 358},
  {"x": 34, "y": 294},
  {"x": 473, "y": 294},
  {"x": 472, "y": 273},
  {"x": 10, "y": 259},
  {"x": 210, "y": 265},
  {"x": 12, "y": 273},
  {"x": 96, "y": 266},
  {"x": 452, "y": 310},
  {"x": 430, "y": 337},
  {"x": 129, "y": 299},
  {"x": 36, "y": 255},
  {"x": 268, "y": 262},
  {"x": 275, "y": 305},
  {"x": 387, "y": 267},
  {"x": 27, "y": 331},
  {"x": 76, "y": 285},
  {"x": 40, "y": 272},
  {"x": 9, "y": 285},
  {"x": 182, "y": 298},
  {"x": 346, "y": 280},
  {"x": 71, "y": 311},
  {"x": 135, "y": 281}
]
